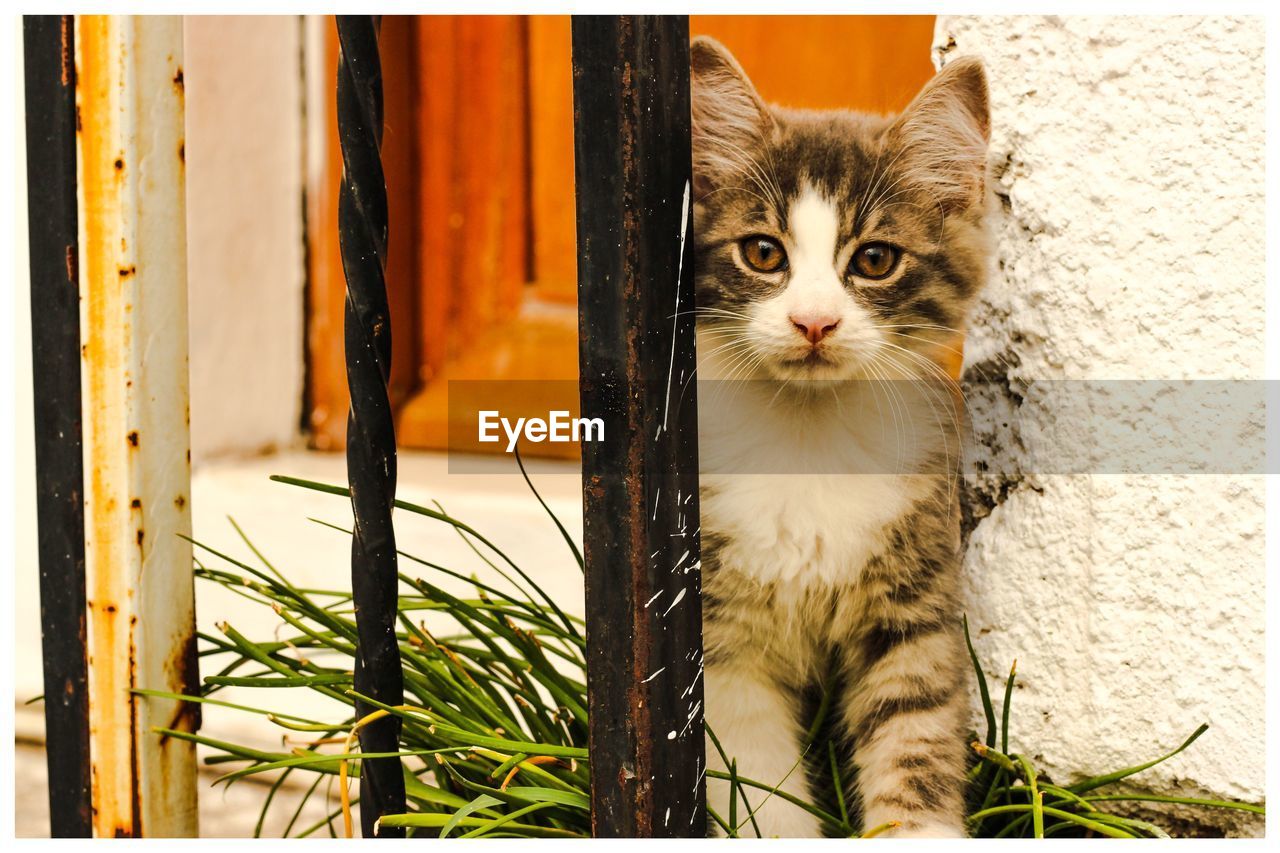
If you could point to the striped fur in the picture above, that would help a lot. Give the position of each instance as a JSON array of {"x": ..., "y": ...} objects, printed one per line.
[{"x": 829, "y": 517}]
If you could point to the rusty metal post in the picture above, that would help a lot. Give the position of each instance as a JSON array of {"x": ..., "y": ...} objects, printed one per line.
[
  {"x": 371, "y": 437},
  {"x": 640, "y": 485},
  {"x": 50, "y": 78},
  {"x": 136, "y": 438}
]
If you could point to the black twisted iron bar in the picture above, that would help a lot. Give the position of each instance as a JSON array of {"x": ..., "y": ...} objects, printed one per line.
[
  {"x": 371, "y": 439},
  {"x": 49, "y": 68}
]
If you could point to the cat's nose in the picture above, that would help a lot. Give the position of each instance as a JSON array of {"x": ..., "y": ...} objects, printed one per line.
[{"x": 814, "y": 327}]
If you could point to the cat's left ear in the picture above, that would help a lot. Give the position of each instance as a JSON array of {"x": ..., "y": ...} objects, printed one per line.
[
  {"x": 944, "y": 134},
  {"x": 729, "y": 120}
]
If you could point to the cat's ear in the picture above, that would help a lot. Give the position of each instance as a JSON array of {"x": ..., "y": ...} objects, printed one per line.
[
  {"x": 729, "y": 118},
  {"x": 944, "y": 132}
]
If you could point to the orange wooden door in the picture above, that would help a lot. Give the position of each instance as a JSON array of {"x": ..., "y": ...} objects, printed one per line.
[
  {"x": 480, "y": 141},
  {"x": 477, "y": 317}
]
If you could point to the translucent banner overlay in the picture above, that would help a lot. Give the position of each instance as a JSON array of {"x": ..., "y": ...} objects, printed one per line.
[{"x": 1038, "y": 427}]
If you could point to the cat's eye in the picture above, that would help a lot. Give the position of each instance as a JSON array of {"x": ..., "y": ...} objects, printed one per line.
[
  {"x": 874, "y": 260},
  {"x": 763, "y": 254}
]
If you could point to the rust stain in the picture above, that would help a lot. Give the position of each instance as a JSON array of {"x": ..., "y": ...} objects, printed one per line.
[
  {"x": 183, "y": 670},
  {"x": 177, "y": 81},
  {"x": 136, "y": 503},
  {"x": 72, "y": 264},
  {"x": 180, "y": 501},
  {"x": 100, "y": 207},
  {"x": 100, "y": 170},
  {"x": 126, "y": 272},
  {"x": 68, "y": 60},
  {"x": 182, "y": 151},
  {"x": 642, "y": 640},
  {"x": 135, "y": 801},
  {"x": 133, "y": 438}
]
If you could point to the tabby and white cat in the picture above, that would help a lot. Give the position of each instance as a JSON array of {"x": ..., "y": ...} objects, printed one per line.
[{"x": 837, "y": 256}]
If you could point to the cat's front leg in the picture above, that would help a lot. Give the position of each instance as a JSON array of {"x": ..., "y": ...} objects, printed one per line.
[
  {"x": 756, "y": 724},
  {"x": 904, "y": 722}
]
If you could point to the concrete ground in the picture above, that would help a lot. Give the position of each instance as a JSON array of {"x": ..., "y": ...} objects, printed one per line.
[{"x": 224, "y": 812}]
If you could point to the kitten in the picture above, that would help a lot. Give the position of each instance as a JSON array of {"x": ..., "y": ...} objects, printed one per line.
[{"x": 837, "y": 256}]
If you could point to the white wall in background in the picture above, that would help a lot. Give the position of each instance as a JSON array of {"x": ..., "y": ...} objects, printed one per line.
[
  {"x": 246, "y": 266},
  {"x": 1128, "y": 153}
]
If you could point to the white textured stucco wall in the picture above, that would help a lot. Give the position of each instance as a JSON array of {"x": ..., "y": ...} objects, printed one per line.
[
  {"x": 1128, "y": 157},
  {"x": 245, "y": 261}
]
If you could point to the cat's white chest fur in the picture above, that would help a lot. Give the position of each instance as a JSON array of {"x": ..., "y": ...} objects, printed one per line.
[
  {"x": 778, "y": 491},
  {"x": 803, "y": 530}
]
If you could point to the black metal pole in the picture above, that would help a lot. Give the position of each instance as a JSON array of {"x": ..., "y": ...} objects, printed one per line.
[
  {"x": 640, "y": 485},
  {"x": 49, "y": 68},
  {"x": 371, "y": 439}
]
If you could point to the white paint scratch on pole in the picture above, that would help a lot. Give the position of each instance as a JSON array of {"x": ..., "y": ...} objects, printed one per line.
[
  {"x": 675, "y": 319},
  {"x": 136, "y": 437},
  {"x": 679, "y": 598},
  {"x": 655, "y": 675}
]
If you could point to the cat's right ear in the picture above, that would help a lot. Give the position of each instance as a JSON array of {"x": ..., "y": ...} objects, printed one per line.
[
  {"x": 944, "y": 134},
  {"x": 729, "y": 118}
]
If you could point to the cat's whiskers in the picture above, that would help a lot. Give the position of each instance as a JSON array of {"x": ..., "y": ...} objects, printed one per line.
[
  {"x": 785, "y": 382},
  {"x": 875, "y": 368},
  {"x": 936, "y": 396},
  {"x": 998, "y": 356},
  {"x": 747, "y": 161},
  {"x": 771, "y": 179},
  {"x": 877, "y": 193},
  {"x": 720, "y": 312},
  {"x": 933, "y": 343},
  {"x": 901, "y": 467},
  {"x": 736, "y": 344},
  {"x": 866, "y": 205},
  {"x": 936, "y": 205},
  {"x": 767, "y": 199},
  {"x": 859, "y": 209},
  {"x": 919, "y": 326},
  {"x": 737, "y": 188}
]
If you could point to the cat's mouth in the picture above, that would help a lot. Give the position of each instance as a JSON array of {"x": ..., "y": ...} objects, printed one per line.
[
  {"x": 813, "y": 358},
  {"x": 817, "y": 363}
]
